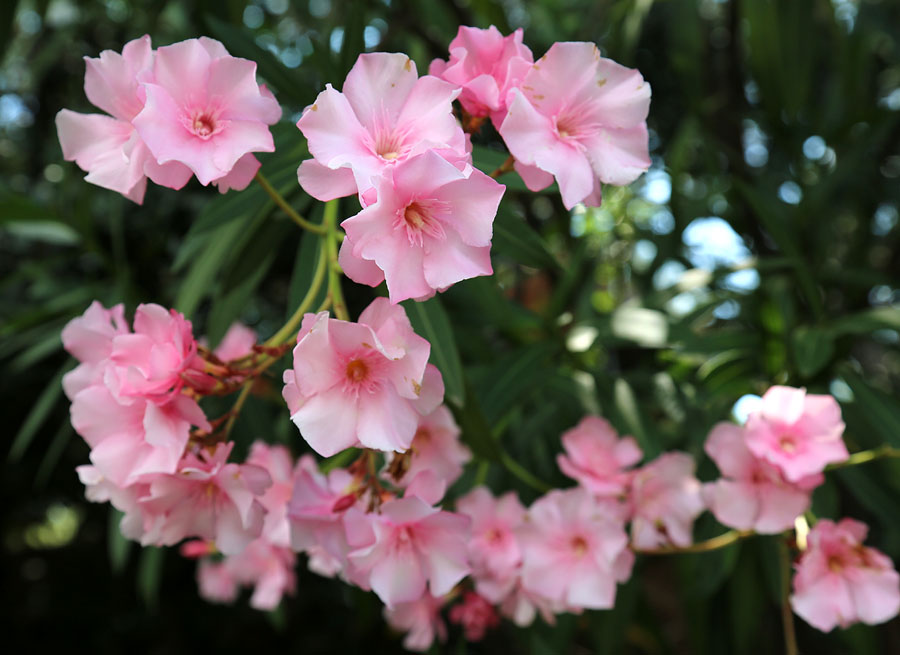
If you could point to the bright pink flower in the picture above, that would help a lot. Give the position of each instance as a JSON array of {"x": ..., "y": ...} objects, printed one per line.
[
  {"x": 430, "y": 227},
  {"x": 494, "y": 550},
  {"x": 752, "y": 494},
  {"x": 580, "y": 118},
  {"x": 89, "y": 339},
  {"x": 476, "y": 616},
  {"x": 237, "y": 342},
  {"x": 597, "y": 458},
  {"x": 797, "y": 432},
  {"x": 436, "y": 447},
  {"x": 413, "y": 543},
  {"x": 666, "y": 498},
  {"x": 384, "y": 115},
  {"x": 487, "y": 65},
  {"x": 839, "y": 581},
  {"x": 574, "y": 550},
  {"x": 210, "y": 499},
  {"x": 358, "y": 383},
  {"x": 420, "y": 619},
  {"x": 108, "y": 147},
  {"x": 205, "y": 110}
]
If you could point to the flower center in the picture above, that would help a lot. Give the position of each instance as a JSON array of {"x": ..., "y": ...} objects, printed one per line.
[
  {"x": 835, "y": 565},
  {"x": 422, "y": 434},
  {"x": 579, "y": 546},
  {"x": 786, "y": 443},
  {"x": 357, "y": 371},
  {"x": 389, "y": 146},
  {"x": 419, "y": 220}
]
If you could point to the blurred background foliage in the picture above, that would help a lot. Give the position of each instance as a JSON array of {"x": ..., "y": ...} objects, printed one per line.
[{"x": 762, "y": 247}]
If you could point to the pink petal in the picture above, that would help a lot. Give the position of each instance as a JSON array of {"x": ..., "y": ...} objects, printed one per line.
[
  {"x": 324, "y": 183},
  {"x": 377, "y": 86},
  {"x": 333, "y": 130},
  {"x": 386, "y": 421},
  {"x": 328, "y": 422}
]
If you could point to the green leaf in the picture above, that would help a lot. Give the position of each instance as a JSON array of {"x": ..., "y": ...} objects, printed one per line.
[
  {"x": 149, "y": 575},
  {"x": 118, "y": 546},
  {"x": 871, "y": 494},
  {"x": 865, "y": 322},
  {"x": 813, "y": 349},
  {"x": 631, "y": 413},
  {"x": 880, "y": 411},
  {"x": 512, "y": 377},
  {"x": 39, "y": 413},
  {"x": 514, "y": 238},
  {"x": 430, "y": 322},
  {"x": 474, "y": 427}
]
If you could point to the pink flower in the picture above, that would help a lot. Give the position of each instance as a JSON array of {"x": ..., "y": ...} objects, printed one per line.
[
  {"x": 88, "y": 338},
  {"x": 420, "y": 619},
  {"x": 99, "y": 489},
  {"x": 278, "y": 463},
  {"x": 237, "y": 342},
  {"x": 413, "y": 543},
  {"x": 436, "y": 446},
  {"x": 839, "y": 581},
  {"x": 580, "y": 118},
  {"x": 799, "y": 433},
  {"x": 574, "y": 550},
  {"x": 210, "y": 499},
  {"x": 666, "y": 498},
  {"x": 269, "y": 569},
  {"x": 108, "y": 147},
  {"x": 205, "y": 110},
  {"x": 216, "y": 582},
  {"x": 430, "y": 227},
  {"x": 384, "y": 115},
  {"x": 476, "y": 616},
  {"x": 358, "y": 383},
  {"x": 487, "y": 65},
  {"x": 494, "y": 549},
  {"x": 597, "y": 458},
  {"x": 753, "y": 494}
]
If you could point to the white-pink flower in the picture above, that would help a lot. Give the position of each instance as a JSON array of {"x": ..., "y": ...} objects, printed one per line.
[
  {"x": 798, "y": 433},
  {"x": 574, "y": 550},
  {"x": 581, "y": 119},
  {"x": 839, "y": 581},
  {"x": 268, "y": 568},
  {"x": 205, "y": 110},
  {"x": 420, "y": 619},
  {"x": 487, "y": 65},
  {"x": 238, "y": 342},
  {"x": 597, "y": 458},
  {"x": 207, "y": 498},
  {"x": 429, "y": 228},
  {"x": 412, "y": 543},
  {"x": 358, "y": 383},
  {"x": 278, "y": 463},
  {"x": 385, "y": 114},
  {"x": 666, "y": 499},
  {"x": 752, "y": 494}
]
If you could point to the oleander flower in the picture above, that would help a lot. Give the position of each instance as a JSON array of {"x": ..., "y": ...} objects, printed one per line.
[
  {"x": 597, "y": 458},
  {"x": 666, "y": 498}
]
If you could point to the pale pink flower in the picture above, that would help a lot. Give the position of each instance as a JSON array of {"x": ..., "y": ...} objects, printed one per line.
[
  {"x": 279, "y": 464},
  {"x": 597, "y": 458},
  {"x": 580, "y": 118},
  {"x": 205, "y": 110},
  {"x": 358, "y": 383},
  {"x": 413, "y": 544},
  {"x": 476, "y": 616},
  {"x": 216, "y": 582},
  {"x": 752, "y": 494},
  {"x": 487, "y": 65},
  {"x": 521, "y": 606},
  {"x": 666, "y": 499},
  {"x": 88, "y": 338},
  {"x": 269, "y": 569},
  {"x": 574, "y": 550},
  {"x": 420, "y": 619},
  {"x": 429, "y": 228},
  {"x": 384, "y": 115},
  {"x": 237, "y": 342},
  {"x": 99, "y": 489},
  {"x": 799, "y": 433},
  {"x": 838, "y": 581},
  {"x": 210, "y": 499},
  {"x": 494, "y": 550},
  {"x": 108, "y": 147}
]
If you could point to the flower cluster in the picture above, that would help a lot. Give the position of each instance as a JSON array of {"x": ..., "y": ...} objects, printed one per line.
[{"x": 185, "y": 109}]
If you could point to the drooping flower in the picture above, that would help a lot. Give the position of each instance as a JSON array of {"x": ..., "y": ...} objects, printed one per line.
[
  {"x": 205, "y": 110},
  {"x": 412, "y": 543},
  {"x": 798, "y": 433},
  {"x": 210, "y": 499},
  {"x": 420, "y": 619},
  {"x": 385, "y": 114},
  {"x": 358, "y": 383},
  {"x": 494, "y": 550},
  {"x": 237, "y": 342},
  {"x": 752, "y": 494},
  {"x": 579, "y": 118},
  {"x": 666, "y": 499},
  {"x": 597, "y": 458},
  {"x": 268, "y": 568},
  {"x": 278, "y": 463},
  {"x": 574, "y": 550},
  {"x": 429, "y": 228},
  {"x": 476, "y": 616},
  {"x": 487, "y": 65},
  {"x": 839, "y": 581}
]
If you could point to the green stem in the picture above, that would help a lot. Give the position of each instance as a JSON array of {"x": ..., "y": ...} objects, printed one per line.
[
  {"x": 334, "y": 270},
  {"x": 865, "y": 456},
  {"x": 523, "y": 474},
  {"x": 722, "y": 541},
  {"x": 285, "y": 207},
  {"x": 238, "y": 404},
  {"x": 293, "y": 322},
  {"x": 787, "y": 615}
]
